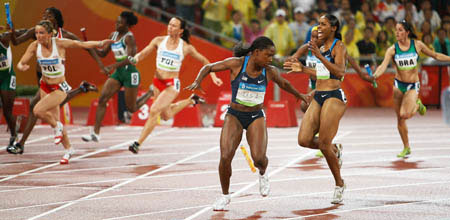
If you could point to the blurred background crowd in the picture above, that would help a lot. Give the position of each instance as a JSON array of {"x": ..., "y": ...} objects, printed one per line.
[{"x": 367, "y": 27}]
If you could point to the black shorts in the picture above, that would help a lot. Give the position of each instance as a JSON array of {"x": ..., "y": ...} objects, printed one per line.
[
  {"x": 246, "y": 118},
  {"x": 321, "y": 96}
]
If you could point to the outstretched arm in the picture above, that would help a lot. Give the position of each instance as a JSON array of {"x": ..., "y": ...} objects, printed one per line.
[
  {"x": 29, "y": 34},
  {"x": 31, "y": 51},
  {"x": 301, "y": 51},
  {"x": 67, "y": 43},
  {"x": 358, "y": 70},
  {"x": 231, "y": 63},
  {"x": 296, "y": 66},
  {"x": 427, "y": 51},
  {"x": 204, "y": 60},
  {"x": 153, "y": 45},
  {"x": 91, "y": 51},
  {"x": 387, "y": 57},
  {"x": 284, "y": 84},
  {"x": 130, "y": 43}
]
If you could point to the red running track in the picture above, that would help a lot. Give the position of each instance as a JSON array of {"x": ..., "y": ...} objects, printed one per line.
[{"x": 175, "y": 174}]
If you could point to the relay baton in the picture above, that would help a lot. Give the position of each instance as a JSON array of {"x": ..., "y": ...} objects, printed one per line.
[
  {"x": 369, "y": 71},
  {"x": 83, "y": 32},
  {"x": 8, "y": 15},
  {"x": 249, "y": 160}
]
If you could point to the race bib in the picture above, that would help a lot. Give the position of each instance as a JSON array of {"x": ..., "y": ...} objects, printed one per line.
[
  {"x": 250, "y": 94},
  {"x": 321, "y": 71},
  {"x": 4, "y": 64}
]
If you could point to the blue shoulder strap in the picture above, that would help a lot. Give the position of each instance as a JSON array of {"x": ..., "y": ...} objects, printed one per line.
[
  {"x": 245, "y": 63},
  {"x": 334, "y": 43}
]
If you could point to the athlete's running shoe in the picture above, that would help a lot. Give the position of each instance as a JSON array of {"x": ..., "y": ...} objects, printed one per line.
[
  {"x": 85, "y": 86},
  {"x": 197, "y": 99},
  {"x": 221, "y": 202},
  {"x": 405, "y": 151},
  {"x": 264, "y": 185},
  {"x": 338, "y": 195},
  {"x": 134, "y": 147},
  {"x": 15, "y": 149},
  {"x": 58, "y": 132},
  {"x": 67, "y": 156},
  {"x": 422, "y": 109},
  {"x": 91, "y": 137}
]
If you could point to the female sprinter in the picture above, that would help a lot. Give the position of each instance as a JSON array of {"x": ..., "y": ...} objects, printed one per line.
[
  {"x": 311, "y": 61},
  {"x": 54, "y": 15},
  {"x": 405, "y": 54},
  {"x": 50, "y": 53},
  {"x": 8, "y": 83},
  {"x": 125, "y": 75},
  {"x": 171, "y": 50},
  {"x": 250, "y": 71},
  {"x": 328, "y": 107}
]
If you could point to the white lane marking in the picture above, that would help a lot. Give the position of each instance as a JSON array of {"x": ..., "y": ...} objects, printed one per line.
[
  {"x": 124, "y": 183},
  {"x": 245, "y": 188},
  {"x": 77, "y": 158},
  {"x": 47, "y": 137},
  {"x": 289, "y": 196}
]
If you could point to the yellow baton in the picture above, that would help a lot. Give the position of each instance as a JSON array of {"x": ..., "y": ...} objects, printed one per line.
[{"x": 249, "y": 160}]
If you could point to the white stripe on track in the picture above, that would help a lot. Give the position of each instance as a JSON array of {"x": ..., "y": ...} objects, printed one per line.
[
  {"x": 79, "y": 157},
  {"x": 48, "y": 136},
  {"x": 124, "y": 183},
  {"x": 245, "y": 188}
]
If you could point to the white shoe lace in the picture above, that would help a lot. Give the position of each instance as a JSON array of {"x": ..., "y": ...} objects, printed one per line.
[
  {"x": 221, "y": 202},
  {"x": 69, "y": 153},
  {"x": 338, "y": 196},
  {"x": 264, "y": 185},
  {"x": 58, "y": 132}
]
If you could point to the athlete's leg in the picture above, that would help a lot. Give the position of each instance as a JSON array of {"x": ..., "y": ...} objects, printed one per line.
[
  {"x": 162, "y": 102},
  {"x": 47, "y": 108},
  {"x": 401, "y": 121},
  {"x": 180, "y": 105},
  {"x": 8, "y": 97},
  {"x": 111, "y": 87},
  {"x": 230, "y": 138},
  {"x": 257, "y": 140},
  {"x": 310, "y": 126},
  {"x": 409, "y": 105},
  {"x": 331, "y": 113},
  {"x": 132, "y": 102}
]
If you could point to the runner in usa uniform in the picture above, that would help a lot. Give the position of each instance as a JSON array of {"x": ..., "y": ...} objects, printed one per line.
[
  {"x": 329, "y": 104},
  {"x": 250, "y": 72},
  {"x": 311, "y": 61},
  {"x": 50, "y": 53},
  {"x": 405, "y": 55},
  {"x": 125, "y": 74},
  {"x": 171, "y": 50},
  {"x": 55, "y": 17}
]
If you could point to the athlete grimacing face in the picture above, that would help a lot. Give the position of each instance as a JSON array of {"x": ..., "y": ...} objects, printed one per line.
[
  {"x": 174, "y": 27},
  {"x": 49, "y": 16},
  {"x": 42, "y": 35},
  {"x": 264, "y": 57}
]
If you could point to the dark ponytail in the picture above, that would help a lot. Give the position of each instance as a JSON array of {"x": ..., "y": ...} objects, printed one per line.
[
  {"x": 334, "y": 22},
  {"x": 409, "y": 28},
  {"x": 186, "y": 34},
  {"x": 259, "y": 43}
]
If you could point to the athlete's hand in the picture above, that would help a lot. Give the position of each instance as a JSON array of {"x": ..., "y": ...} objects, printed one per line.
[
  {"x": 291, "y": 59},
  {"x": 217, "y": 81},
  {"x": 294, "y": 66},
  {"x": 195, "y": 85},
  {"x": 23, "y": 67},
  {"x": 312, "y": 46},
  {"x": 305, "y": 97}
]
